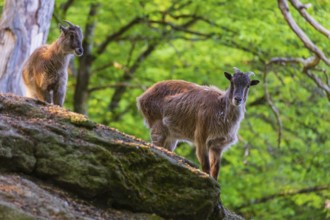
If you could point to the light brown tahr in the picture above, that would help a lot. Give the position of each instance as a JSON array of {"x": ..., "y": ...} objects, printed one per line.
[
  {"x": 177, "y": 110},
  {"x": 45, "y": 71}
]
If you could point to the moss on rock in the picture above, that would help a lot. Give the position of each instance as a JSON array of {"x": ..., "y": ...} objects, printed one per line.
[{"x": 9, "y": 212}]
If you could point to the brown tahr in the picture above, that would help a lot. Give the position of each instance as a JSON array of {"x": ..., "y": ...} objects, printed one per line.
[
  {"x": 45, "y": 71},
  {"x": 177, "y": 110}
]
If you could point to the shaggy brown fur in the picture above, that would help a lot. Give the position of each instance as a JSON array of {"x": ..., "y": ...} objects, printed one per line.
[
  {"x": 45, "y": 72},
  {"x": 177, "y": 110}
]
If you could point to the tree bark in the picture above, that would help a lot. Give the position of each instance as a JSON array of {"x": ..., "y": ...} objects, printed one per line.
[{"x": 24, "y": 26}]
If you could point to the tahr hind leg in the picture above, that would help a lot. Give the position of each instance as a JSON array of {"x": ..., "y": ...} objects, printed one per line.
[{"x": 160, "y": 136}]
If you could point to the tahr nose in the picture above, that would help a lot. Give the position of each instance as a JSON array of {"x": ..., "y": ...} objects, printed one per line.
[
  {"x": 79, "y": 51},
  {"x": 238, "y": 99}
]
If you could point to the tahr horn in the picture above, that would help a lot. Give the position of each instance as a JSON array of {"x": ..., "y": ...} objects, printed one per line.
[
  {"x": 250, "y": 74},
  {"x": 236, "y": 70},
  {"x": 69, "y": 23}
]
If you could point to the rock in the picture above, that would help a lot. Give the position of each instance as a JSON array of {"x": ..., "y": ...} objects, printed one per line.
[
  {"x": 23, "y": 199},
  {"x": 101, "y": 164},
  {"x": 7, "y": 211}
]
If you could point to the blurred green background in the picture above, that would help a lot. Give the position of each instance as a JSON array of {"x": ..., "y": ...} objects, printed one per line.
[{"x": 197, "y": 41}]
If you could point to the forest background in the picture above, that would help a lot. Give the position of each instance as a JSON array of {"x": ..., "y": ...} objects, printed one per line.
[{"x": 279, "y": 169}]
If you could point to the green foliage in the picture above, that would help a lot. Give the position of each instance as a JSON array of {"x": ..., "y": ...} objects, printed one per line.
[
  {"x": 1, "y": 5},
  {"x": 245, "y": 34}
]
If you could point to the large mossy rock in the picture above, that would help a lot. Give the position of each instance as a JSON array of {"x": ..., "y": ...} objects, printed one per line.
[{"x": 101, "y": 164}]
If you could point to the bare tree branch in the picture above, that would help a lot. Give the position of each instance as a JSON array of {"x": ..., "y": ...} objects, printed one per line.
[
  {"x": 319, "y": 82},
  {"x": 179, "y": 7},
  {"x": 117, "y": 34},
  {"x": 125, "y": 84},
  {"x": 302, "y": 10},
  {"x": 181, "y": 28},
  {"x": 313, "y": 61},
  {"x": 65, "y": 6},
  {"x": 139, "y": 38},
  {"x": 57, "y": 19},
  {"x": 193, "y": 39},
  {"x": 259, "y": 101},
  {"x": 274, "y": 109},
  {"x": 103, "y": 67},
  {"x": 130, "y": 53},
  {"x": 285, "y": 60},
  {"x": 128, "y": 75},
  {"x": 283, "y": 194},
  {"x": 308, "y": 64},
  {"x": 283, "y": 5},
  {"x": 205, "y": 20}
]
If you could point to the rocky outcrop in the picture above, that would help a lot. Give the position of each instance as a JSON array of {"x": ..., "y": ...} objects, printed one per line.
[{"x": 100, "y": 164}]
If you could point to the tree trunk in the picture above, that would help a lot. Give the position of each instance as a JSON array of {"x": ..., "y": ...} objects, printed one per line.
[
  {"x": 85, "y": 64},
  {"x": 102, "y": 164},
  {"x": 24, "y": 26}
]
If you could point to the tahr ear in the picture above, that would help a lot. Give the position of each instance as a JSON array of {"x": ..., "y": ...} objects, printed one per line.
[
  {"x": 254, "y": 82},
  {"x": 228, "y": 76},
  {"x": 62, "y": 28}
]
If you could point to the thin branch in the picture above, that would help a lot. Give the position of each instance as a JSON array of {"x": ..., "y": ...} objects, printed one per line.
[
  {"x": 274, "y": 109},
  {"x": 130, "y": 53},
  {"x": 319, "y": 82},
  {"x": 65, "y": 6},
  {"x": 192, "y": 39},
  {"x": 117, "y": 34},
  {"x": 103, "y": 67},
  {"x": 173, "y": 8},
  {"x": 142, "y": 57},
  {"x": 308, "y": 64},
  {"x": 201, "y": 18},
  {"x": 259, "y": 101},
  {"x": 128, "y": 75},
  {"x": 283, "y": 194},
  {"x": 118, "y": 116},
  {"x": 57, "y": 19},
  {"x": 182, "y": 28},
  {"x": 302, "y": 10},
  {"x": 285, "y": 60},
  {"x": 283, "y": 5},
  {"x": 138, "y": 38},
  {"x": 231, "y": 43},
  {"x": 326, "y": 76},
  {"x": 122, "y": 84}
]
